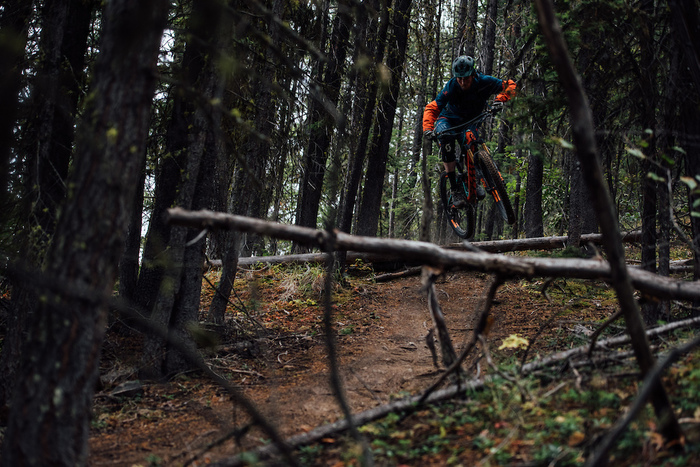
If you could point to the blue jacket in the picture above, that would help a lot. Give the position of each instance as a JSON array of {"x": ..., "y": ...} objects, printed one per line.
[{"x": 452, "y": 102}]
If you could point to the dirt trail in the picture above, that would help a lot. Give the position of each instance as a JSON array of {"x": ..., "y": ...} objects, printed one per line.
[{"x": 379, "y": 360}]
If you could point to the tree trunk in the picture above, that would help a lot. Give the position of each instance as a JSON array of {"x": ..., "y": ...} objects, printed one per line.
[
  {"x": 368, "y": 219},
  {"x": 168, "y": 182},
  {"x": 322, "y": 122},
  {"x": 48, "y": 144},
  {"x": 686, "y": 28},
  {"x": 363, "y": 110},
  {"x": 577, "y": 194},
  {"x": 56, "y": 88},
  {"x": 535, "y": 174},
  {"x": 129, "y": 263},
  {"x": 648, "y": 102},
  {"x": 533, "y": 196},
  {"x": 177, "y": 303},
  {"x": 49, "y": 419},
  {"x": 489, "y": 42}
]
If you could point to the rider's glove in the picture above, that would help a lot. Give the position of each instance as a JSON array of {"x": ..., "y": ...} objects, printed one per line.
[
  {"x": 429, "y": 135},
  {"x": 497, "y": 106}
]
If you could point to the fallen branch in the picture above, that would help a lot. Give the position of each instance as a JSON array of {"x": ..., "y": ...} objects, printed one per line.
[
  {"x": 446, "y": 348},
  {"x": 362, "y": 418},
  {"x": 433, "y": 255},
  {"x": 398, "y": 275},
  {"x": 582, "y": 350},
  {"x": 541, "y": 243}
]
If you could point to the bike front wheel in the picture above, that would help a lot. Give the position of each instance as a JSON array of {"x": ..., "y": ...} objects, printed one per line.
[
  {"x": 461, "y": 220},
  {"x": 497, "y": 187}
]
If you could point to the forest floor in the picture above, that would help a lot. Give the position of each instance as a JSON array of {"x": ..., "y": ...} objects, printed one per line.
[{"x": 381, "y": 334}]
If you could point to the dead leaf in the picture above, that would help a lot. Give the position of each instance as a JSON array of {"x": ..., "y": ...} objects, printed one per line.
[{"x": 576, "y": 438}]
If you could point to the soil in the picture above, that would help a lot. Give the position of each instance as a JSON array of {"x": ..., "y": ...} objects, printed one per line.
[{"x": 383, "y": 354}]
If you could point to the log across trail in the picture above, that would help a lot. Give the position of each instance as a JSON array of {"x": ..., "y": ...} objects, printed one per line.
[{"x": 493, "y": 246}]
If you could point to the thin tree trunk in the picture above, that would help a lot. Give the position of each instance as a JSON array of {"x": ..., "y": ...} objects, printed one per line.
[
  {"x": 535, "y": 174},
  {"x": 368, "y": 221},
  {"x": 177, "y": 302},
  {"x": 322, "y": 122},
  {"x": 489, "y": 42},
  {"x": 368, "y": 84}
]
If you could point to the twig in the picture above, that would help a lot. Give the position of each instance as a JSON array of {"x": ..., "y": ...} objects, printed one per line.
[
  {"x": 362, "y": 382},
  {"x": 601, "y": 328},
  {"x": 565, "y": 355},
  {"x": 449, "y": 355},
  {"x": 493, "y": 451},
  {"x": 532, "y": 341},
  {"x": 243, "y": 307}
]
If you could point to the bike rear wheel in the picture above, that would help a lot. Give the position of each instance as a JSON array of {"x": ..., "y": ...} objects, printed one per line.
[
  {"x": 461, "y": 220},
  {"x": 496, "y": 187}
]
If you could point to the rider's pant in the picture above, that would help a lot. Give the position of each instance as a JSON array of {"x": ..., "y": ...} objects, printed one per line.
[{"x": 447, "y": 143}]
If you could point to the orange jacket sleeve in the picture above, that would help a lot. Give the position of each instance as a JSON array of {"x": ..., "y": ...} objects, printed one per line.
[
  {"x": 504, "y": 96},
  {"x": 430, "y": 114}
]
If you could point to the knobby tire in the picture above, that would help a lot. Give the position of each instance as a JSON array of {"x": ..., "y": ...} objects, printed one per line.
[{"x": 499, "y": 193}]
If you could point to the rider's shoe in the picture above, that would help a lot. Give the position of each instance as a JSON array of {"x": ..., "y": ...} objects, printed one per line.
[
  {"x": 480, "y": 192},
  {"x": 458, "y": 199}
]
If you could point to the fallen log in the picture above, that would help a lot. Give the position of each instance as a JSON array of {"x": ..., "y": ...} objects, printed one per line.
[
  {"x": 542, "y": 243},
  {"x": 433, "y": 255},
  {"x": 493, "y": 246}
]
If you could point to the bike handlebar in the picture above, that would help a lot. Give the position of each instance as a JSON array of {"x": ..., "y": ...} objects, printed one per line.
[{"x": 473, "y": 122}]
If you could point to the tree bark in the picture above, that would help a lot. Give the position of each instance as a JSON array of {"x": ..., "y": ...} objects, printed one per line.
[
  {"x": 177, "y": 302},
  {"x": 489, "y": 41},
  {"x": 49, "y": 419},
  {"x": 533, "y": 196},
  {"x": 363, "y": 109}
]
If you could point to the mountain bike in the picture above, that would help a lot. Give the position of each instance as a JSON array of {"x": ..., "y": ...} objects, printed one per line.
[{"x": 475, "y": 169}]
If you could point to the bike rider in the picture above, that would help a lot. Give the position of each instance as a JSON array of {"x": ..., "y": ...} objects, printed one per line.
[{"x": 463, "y": 98}]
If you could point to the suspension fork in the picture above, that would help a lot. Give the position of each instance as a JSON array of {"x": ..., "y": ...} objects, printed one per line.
[{"x": 470, "y": 174}]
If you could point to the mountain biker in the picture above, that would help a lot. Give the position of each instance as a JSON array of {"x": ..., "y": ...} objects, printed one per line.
[{"x": 463, "y": 98}]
